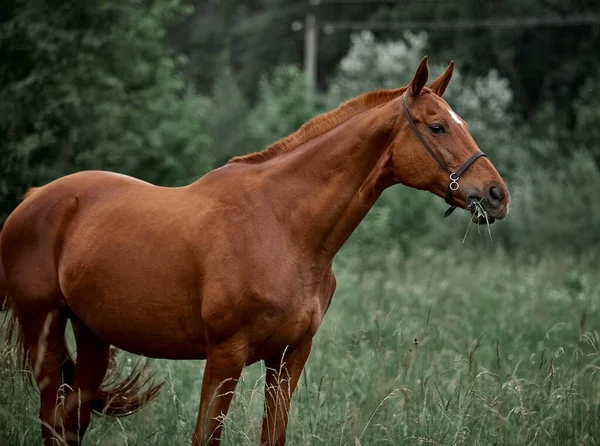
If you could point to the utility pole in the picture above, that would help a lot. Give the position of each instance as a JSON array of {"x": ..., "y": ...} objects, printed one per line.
[{"x": 310, "y": 50}]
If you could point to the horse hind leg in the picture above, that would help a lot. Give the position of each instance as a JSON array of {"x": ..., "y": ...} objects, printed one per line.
[
  {"x": 67, "y": 389},
  {"x": 95, "y": 390},
  {"x": 42, "y": 335},
  {"x": 93, "y": 356}
]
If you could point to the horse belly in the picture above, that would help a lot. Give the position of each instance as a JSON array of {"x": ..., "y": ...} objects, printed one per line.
[
  {"x": 154, "y": 328},
  {"x": 148, "y": 308}
]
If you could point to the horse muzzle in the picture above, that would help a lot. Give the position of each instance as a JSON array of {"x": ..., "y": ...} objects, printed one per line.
[{"x": 494, "y": 203}]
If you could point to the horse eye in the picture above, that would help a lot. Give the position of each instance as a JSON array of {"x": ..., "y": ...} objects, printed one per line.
[{"x": 437, "y": 129}]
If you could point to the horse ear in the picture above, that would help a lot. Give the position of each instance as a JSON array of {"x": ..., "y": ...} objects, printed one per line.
[
  {"x": 420, "y": 79},
  {"x": 441, "y": 82}
]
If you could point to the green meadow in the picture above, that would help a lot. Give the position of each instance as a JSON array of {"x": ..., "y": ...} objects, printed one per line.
[{"x": 446, "y": 347}]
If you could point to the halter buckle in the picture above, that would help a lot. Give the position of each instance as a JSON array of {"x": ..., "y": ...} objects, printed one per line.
[{"x": 454, "y": 181}]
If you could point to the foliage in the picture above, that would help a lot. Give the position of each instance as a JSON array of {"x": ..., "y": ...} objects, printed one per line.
[
  {"x": 586, "y": 133},
  {"x": 371, "y": 64},
  {"x": 284, "y": 103},
  {"x": 95, "y": 87},
  {"x": 228, "y": 121},
  {"x": 555, "y": 209},
  {"x": 92, "y": 85}
]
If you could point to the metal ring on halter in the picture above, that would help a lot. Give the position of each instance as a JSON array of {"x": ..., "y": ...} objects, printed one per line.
[{"x": 454, "y": 181}]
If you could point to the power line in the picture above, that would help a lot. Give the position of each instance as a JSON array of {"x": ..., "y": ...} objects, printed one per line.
[
  {"x": 249, "y": 49},
  {"x": 256, "y": 24},
  {"x": 497, "y": 23},
  {"x": 250, "y": 23},
  {"x": 262, "y": 44}
]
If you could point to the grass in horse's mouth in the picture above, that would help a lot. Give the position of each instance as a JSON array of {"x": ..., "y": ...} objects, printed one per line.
[{"x": 478, "y": 215}]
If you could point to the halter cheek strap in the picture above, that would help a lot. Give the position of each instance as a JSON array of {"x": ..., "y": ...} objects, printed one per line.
[{"x": 453, "y": 176}]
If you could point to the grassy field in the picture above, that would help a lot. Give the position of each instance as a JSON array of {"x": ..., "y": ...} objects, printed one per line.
[{"x": 444, "y": 348}]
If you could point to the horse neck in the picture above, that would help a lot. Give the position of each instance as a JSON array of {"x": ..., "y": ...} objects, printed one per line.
[{"x": 324, "y": 188}]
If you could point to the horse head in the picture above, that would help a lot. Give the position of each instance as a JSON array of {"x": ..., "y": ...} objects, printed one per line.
[{"x": 434, "y": 151}]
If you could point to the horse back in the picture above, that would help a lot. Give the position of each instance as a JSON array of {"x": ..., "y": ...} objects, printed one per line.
[{"x": 73, "y": 217}]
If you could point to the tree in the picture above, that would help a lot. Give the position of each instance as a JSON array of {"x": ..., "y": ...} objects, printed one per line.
[
  {"x": 282, "y": 106},
  {"x": 88, "y": 85}
]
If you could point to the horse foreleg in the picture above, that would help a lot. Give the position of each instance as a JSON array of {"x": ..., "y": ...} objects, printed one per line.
[
  {"x": 224, "y": 365},
  {"x": 283, "y": 373}
]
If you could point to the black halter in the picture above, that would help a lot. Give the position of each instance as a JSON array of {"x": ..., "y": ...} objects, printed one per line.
[{"x": 454, "y": 176}]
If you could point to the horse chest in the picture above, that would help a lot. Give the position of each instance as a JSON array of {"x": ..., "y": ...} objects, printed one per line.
[
  {"x": 299, "y": 314},
  {"x": 268, "y": 312},
  {"x": 298, "y": 322},
  {"x": 304, "y": 315}
]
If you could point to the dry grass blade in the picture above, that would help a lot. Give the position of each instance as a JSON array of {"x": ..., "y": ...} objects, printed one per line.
[{"x": 478, "y": 213}]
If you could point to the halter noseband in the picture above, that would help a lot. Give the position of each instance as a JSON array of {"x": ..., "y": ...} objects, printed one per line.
[{"x": 454, "y": 176}]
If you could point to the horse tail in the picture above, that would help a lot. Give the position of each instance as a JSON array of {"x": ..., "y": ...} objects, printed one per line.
[{"x": 118, "y": 397}]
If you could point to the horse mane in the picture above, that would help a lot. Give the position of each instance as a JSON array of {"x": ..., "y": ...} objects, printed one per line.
[
  {"x": 29, "y": 192},
  {"x": 321, "y": 124}
]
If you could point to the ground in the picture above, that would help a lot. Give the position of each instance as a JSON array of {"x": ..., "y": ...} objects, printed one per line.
[{"x": 454, "y": 347}]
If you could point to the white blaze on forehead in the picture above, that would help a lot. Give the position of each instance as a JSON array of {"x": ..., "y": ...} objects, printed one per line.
[{"x": 454, "y": 116}]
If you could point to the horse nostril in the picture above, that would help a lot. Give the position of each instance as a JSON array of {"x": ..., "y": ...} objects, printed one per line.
[{"x": 496, "y": 193}]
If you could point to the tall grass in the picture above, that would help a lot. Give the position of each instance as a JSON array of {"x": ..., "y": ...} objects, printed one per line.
[{"x": 442, "y": 348}]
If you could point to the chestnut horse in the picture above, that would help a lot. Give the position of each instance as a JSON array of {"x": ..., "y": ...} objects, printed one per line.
[{"x": 234, "y": 268}]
